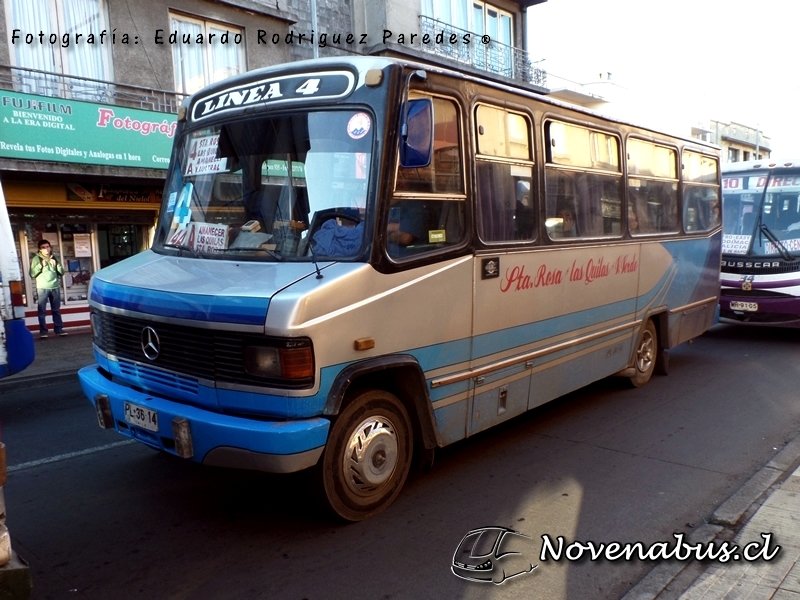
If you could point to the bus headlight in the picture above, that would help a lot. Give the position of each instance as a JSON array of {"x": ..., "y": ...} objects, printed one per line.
[{"x": 289, "y": 362}]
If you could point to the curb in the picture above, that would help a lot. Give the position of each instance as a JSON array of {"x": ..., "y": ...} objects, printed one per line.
[
  {"x": 37, "y": 381},
  {"x": 724, "y": 518}
]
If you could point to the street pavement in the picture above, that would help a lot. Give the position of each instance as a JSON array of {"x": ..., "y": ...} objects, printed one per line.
[{"x": 769, "y": 503}]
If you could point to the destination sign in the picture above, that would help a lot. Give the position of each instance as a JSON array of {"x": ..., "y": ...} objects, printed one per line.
[{"x": 327, "y": 85}]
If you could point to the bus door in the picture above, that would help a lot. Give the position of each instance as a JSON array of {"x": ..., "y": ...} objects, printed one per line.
[
  {"x": 503, "y": 315},
  {"x": 506, "y": 212}
]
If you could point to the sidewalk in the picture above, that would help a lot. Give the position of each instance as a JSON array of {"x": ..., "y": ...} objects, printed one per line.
[
  {"x": 769, "y": 503},
  {"x": 778, "y": 578},
  {"x": 57, "y": 359}
]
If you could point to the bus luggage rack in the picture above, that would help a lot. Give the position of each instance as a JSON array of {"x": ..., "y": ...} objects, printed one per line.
[{"x": 211, "y": 355}]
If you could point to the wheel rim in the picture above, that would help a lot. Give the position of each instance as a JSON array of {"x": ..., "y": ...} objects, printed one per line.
[
  {"x": 644, "y": 354},
  {"x": 371, "y": 455}
]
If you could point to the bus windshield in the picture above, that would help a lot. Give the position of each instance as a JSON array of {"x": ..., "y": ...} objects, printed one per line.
[
  {"x": 761, "y": 213},
  {"x": 280, "y": 187}
]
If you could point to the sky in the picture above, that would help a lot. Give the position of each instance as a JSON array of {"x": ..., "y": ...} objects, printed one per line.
[{"x": 692, "y": 60}]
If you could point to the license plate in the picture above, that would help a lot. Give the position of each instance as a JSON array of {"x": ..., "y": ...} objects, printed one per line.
[
  {"x": 141, "y": 416},
  {"x": 745, "y": 306}
]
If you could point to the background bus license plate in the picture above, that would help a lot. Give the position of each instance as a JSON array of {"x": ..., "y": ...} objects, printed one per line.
[
  {"x": 141, "y": 416},
  {"x": 746, "y": 306}
]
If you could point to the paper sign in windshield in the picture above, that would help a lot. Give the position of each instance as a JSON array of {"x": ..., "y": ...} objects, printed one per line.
[
  {"x": 203, "y": 237},
  {"x": 735, "y": 244},
  {"x": 791, "y": 245},
  {"x": 202, "y": 157}
]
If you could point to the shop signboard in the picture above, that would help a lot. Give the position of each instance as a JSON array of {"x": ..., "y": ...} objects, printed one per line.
[{"x": 57, "y": 130}]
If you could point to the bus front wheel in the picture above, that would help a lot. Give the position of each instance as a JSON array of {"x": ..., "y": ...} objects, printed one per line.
[
  {"x": 368, "y": 455},
  {"x": 645, "y": 356}
]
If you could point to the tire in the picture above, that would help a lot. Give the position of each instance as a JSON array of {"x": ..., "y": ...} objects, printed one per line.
[
  {"x": 645, "y": 355},
  {"x": 368, "y": 456}
]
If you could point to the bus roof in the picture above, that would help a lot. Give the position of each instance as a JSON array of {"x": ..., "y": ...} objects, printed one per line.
[
  {"x": 363, "y": 63},
  {"x": 764, "y": 163}
]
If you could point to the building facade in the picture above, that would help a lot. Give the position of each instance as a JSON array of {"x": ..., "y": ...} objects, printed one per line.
[
  {"x": 739, "y": 142},
  {"x": 483, "y": 37},
  {"x": 89, "y": 91},
  {"x": 88, "y": 95}
]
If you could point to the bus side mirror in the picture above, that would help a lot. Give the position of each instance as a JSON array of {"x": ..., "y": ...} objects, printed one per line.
[{"x": 416, "y": 134}]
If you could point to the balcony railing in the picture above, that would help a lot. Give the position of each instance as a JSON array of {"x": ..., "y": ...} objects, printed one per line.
[
  {"x": 68, "y": 87},
  {"x": 493, "y": 57}
]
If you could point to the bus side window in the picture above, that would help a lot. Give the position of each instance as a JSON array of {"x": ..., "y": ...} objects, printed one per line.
[
  {"x": 436, "y": 218},
  {"x": 500, "y": 204},
  {"x": 444, "y": 174},
  {"x": 581, "y": 203},
  {"x": 505, "y": 202}
]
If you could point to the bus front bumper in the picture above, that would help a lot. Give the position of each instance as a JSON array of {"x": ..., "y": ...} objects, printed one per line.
[
  {"x": 759, "y": 310},
  {"x": 213, "y": 438}
]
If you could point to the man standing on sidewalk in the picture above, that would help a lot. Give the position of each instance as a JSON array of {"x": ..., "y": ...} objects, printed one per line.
[{"x": 47, "y": 271}]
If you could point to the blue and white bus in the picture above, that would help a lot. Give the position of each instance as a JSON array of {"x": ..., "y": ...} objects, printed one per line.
[
  {"x": 362, "y": 258},
  {"x": 16, "y": 342},
  {"x": 760, "y": 274}
]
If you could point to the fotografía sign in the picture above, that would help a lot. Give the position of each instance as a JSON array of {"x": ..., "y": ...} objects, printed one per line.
[{"x": 56, "y": 130}]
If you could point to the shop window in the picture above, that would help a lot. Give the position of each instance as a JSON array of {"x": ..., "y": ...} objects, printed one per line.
[
  {"x": 72, "y": 244},
  {"x": 118, "y": 242},
  {"x": 206, "y": 52}
]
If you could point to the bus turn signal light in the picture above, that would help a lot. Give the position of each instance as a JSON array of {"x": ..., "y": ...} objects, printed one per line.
[
  {"x": 297, "y": 363},
  {"x": 17, "y": 293}
]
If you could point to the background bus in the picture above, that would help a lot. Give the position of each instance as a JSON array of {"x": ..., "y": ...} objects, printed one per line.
[
  {"x": 359, "y": 258},
  {"x": 760, "y": 270},
  {"x": 16, "y": 342}
]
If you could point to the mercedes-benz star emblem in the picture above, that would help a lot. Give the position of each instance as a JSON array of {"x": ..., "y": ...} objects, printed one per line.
[{"x": 151, "y": 345}]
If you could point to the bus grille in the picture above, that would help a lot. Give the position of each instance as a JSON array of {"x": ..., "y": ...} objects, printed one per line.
[
  {"x": 154, "y": 376},
  {"x": 791, "y": 267},
  {"x": 756, "y": 293},
  {"x": 193, "y": 352}
]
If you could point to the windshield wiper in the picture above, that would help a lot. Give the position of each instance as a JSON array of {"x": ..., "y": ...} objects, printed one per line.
[
  {"x": 784, "y": 252},
  {"x": 276, "y": 255},
  {"x": 191, "y": 250}
]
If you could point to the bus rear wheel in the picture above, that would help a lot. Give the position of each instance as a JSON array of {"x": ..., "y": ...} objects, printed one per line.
[
  {"x": 368, "y": 455},
  {"x": 645, "y": 356}
]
